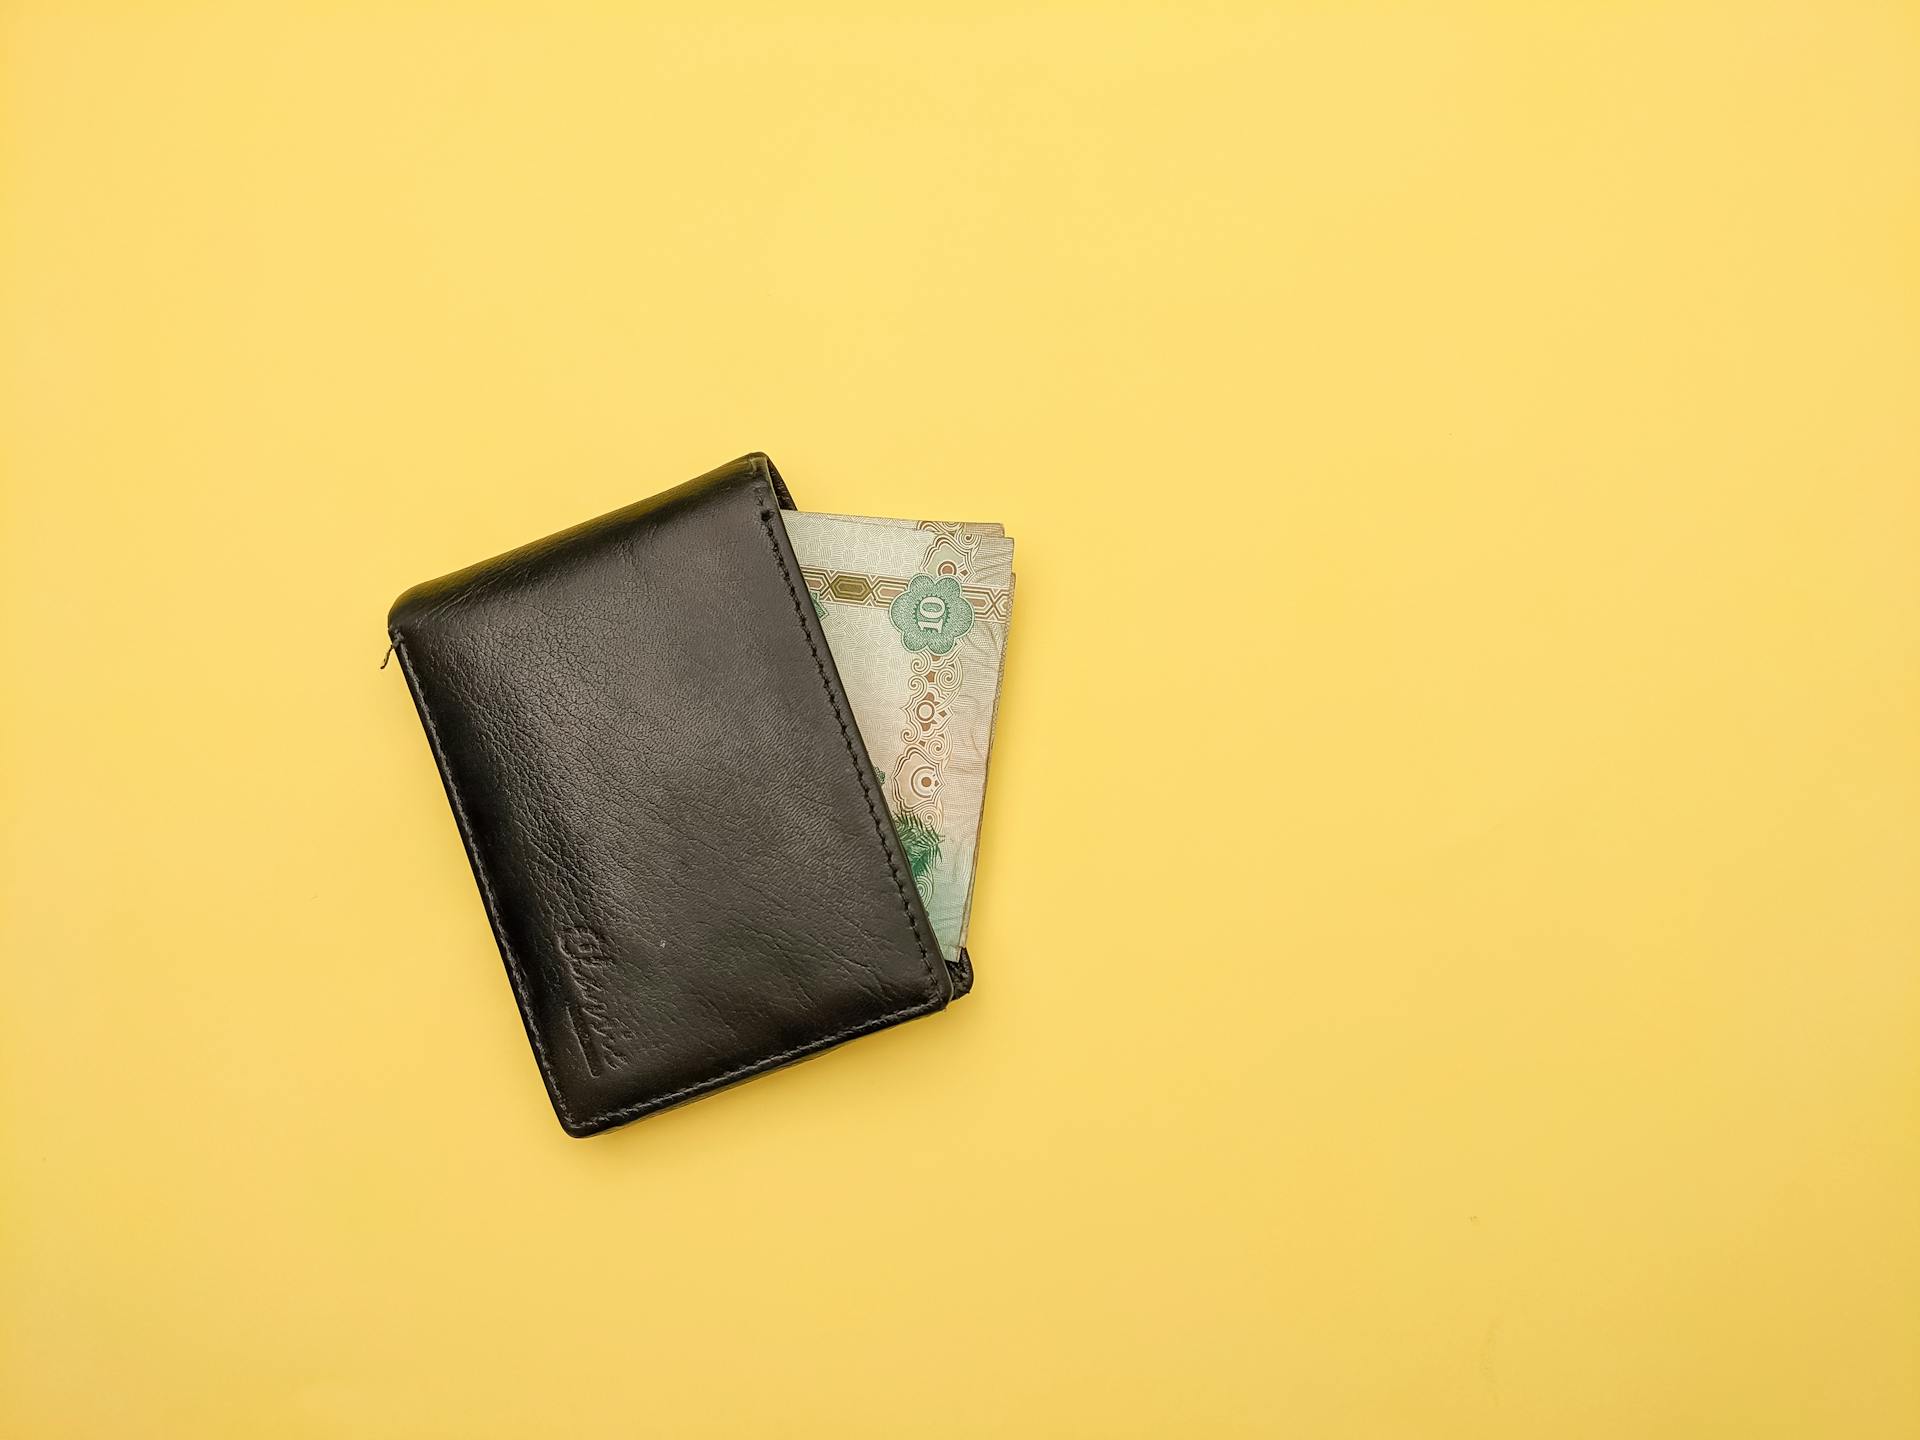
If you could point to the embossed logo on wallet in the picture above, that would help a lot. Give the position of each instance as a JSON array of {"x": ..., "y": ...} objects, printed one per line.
[{"x": 589, "y": 966}]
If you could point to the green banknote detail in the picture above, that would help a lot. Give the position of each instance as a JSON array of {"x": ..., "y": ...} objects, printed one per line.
[
  {"x": 921, "y": 842},
  {"x": 931, "y": 613},
  {"x": 916, "y": 615}
]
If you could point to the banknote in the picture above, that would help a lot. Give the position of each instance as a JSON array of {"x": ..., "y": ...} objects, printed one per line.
[
  {"x": 978, "y": 527},
  {"x": 916, "y": 612}
]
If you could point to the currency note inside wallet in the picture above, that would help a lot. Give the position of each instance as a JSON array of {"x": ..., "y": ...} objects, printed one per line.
[{"x": 916, "y": 614}]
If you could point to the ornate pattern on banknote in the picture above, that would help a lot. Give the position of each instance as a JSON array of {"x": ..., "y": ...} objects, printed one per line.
[
  {"x": 847, "y": 587},
  {"x": 931, "y": 606},
  {"x": 931, "y": 611}
]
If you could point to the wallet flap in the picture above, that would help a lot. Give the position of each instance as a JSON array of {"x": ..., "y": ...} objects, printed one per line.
[{"x": 676, "y": 830}]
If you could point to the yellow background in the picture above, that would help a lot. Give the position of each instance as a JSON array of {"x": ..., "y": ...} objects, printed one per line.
[{"x": 1448, "y": 935}]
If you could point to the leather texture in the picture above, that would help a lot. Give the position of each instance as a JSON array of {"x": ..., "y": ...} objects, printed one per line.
[{"x": 680, "y": 841}]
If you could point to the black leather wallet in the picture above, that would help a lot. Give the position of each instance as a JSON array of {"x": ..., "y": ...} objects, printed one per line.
[{"x": 678, "y": 836}]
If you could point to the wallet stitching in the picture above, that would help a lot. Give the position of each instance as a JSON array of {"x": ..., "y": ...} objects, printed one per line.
[
  {"x": 487, "y": 896},
  {"x": 846, "y": 736},
  {"x": 765, "y": 1062}
]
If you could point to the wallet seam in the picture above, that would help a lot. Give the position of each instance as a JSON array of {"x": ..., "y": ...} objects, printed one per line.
[
  {"x": 859, "y": 773},
  {"x": 609, "y": 1118}
]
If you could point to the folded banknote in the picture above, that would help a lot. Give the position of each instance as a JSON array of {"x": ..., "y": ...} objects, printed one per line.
[{"x": 916, "y": 612}]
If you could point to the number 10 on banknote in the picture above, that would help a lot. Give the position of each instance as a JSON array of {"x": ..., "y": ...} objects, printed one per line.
[{"x": 916, "y": 612}]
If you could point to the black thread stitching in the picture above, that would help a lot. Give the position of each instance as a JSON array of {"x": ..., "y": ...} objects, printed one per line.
[
  {"x": 859, "y": 771},
  {"x": 765, "y": 1062}
]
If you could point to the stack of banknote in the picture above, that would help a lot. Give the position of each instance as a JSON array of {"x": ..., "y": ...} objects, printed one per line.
[{"x": 915, "y": 612}]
